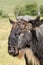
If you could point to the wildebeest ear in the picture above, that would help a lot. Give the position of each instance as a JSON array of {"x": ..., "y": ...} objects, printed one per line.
[{"x": 11, "y": 21}]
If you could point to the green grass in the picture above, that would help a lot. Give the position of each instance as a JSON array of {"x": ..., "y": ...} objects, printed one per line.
[
  {"x": 5, "y": 58},
  {"x": 8, "y": 5}
]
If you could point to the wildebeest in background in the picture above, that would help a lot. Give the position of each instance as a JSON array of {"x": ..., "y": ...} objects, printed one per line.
[{"x": 33, "y": 39}]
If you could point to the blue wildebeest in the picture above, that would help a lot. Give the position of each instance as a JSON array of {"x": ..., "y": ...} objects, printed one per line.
[
  {"x": 33, "y": 39},
  {"x": 17, "y": 29}
]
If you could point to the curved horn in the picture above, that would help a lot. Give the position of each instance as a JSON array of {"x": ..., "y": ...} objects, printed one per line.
[
  {"x": 38, "y": 15},
  {"x": 38, "y": 11}
]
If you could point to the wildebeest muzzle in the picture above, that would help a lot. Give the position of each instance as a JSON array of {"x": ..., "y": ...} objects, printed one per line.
[{"x": 12, "y": 50}]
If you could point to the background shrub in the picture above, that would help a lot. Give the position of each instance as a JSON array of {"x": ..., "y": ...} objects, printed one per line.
[
  {"x": 41, "y": 9},
  {"x": 27, "y": 9},
  {"x": 5, "y": 15},
  {"x": 1, "y": 12}
]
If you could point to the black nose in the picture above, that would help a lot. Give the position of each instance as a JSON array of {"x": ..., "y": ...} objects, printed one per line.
[
  {"x": 10, "y": 50},
  {"x": 13, "y": 51}
]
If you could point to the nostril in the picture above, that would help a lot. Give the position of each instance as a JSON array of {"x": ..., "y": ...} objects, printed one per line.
[{"x": 10, "y": 52}]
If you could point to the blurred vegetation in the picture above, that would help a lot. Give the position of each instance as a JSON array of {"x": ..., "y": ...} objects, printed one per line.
[
  {"x": 1, "y": 12},
  {"x": 28, "y": 9},
  {"x": 41, "y": 9},
  {"x": 9, "y": 5},
  {"x": 5, "y": 15}
]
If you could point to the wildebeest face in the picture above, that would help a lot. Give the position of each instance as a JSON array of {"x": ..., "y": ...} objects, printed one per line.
[
  {"x": 25, "y": 40},
  {"x": 17, "y": 29},
  {"x": 13, "y": 39}
]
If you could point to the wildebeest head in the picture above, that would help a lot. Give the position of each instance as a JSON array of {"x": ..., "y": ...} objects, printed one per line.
[{"x": 17, "y": 29}]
